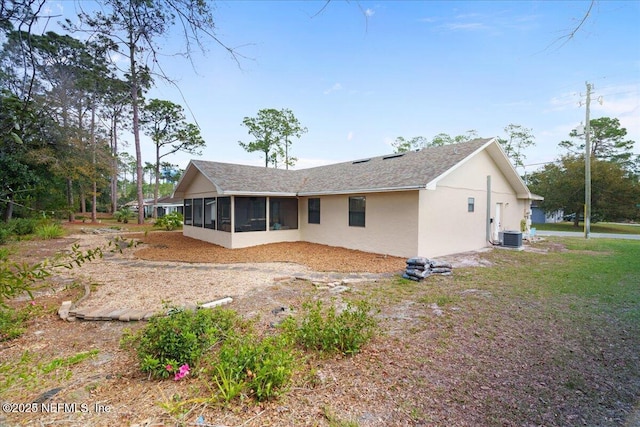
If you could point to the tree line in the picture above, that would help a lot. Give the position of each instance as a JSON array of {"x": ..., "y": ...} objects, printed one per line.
[
  {"x": 65, "y": 101},
  {"x": 615, "y": 169},
  {"x": 615, "y": 175}
]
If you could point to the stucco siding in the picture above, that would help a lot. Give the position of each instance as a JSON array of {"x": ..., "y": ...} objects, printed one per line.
[
  {"x": 200, "y": 187},
  {"x": 391, "y": 221},
  {"x": 216, "y": 237},
  {"x": 253, "y": 238},
  {"x": 447, "y": 227}
]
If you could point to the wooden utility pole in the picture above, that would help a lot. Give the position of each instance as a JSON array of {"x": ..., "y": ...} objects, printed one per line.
[{"x": 587, "y": 168}]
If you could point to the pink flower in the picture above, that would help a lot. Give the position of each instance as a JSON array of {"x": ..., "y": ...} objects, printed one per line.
[
  {"x": 33, "y": 303},
  {"x": 169, "y": 368},
  {"x": 183, "y": 372}
]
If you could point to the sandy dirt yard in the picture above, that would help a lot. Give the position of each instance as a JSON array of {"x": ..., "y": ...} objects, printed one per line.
[{"x": 451, "y": 351}]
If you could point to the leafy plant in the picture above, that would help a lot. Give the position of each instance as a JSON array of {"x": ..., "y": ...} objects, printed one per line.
[
  {"x": 5, "y": 232},
  {"x": 29, "y": 371},
  {"x": 12, "y": 322},
  {"x": 123, "y": 214},
  {"x": 48, "y": 231},
  {"x": 260, "y": 367},
  {"x": 171, "y": 221},
  {"x": 23, "y": 226},
  {"x": 326, "y": 330},
  {"x": 179, "y": 338}
]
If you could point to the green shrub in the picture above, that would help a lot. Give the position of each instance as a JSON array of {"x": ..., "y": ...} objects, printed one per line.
[
  {"x": 261, "y": 368},
  {"x": 23, "y": 226},
  {"x": 170, "y": 222},
  {"x": 49, "y": 230},
  {"x": 329, "y": 332},
  {"x": 5, "y": 232},
  {"x": 12, "y": 321},
  {"x": 182, "y": 337},
  {"x": 123, "y": 214}
]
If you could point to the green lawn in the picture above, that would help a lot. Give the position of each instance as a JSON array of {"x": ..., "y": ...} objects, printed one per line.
[
  {"x": 600, "y": 227},
  {"x": 545, "y": 337}
]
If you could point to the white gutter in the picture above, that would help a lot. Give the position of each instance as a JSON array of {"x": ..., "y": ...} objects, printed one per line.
[{"x": 361, "y": 190}]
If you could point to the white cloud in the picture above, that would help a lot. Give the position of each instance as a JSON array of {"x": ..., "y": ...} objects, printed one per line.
[
  {"x": 350, "y": 136},
  {"x": 336, "y": 87},
  {"x": 468, "y": 26},
  {"x": 369, "y": 12}
]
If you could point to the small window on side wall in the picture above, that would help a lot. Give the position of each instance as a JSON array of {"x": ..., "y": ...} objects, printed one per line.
[
  {"x": 471, "y": 203},
  {"x": 357, "y": 207},
  {"x": 314, "y": 211}
]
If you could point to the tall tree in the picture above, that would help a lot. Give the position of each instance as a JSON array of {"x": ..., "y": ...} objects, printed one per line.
[
  {"x": 290, "y": 127},
  {"x": 165, "y": 123},
  {"x": 272, "y": 130},
  {"x": 135, "y": 27},
  {"x": 607, "y": 141},
  {"x": 401, "y": 144},
  {"x": 615, "y": 192},
  {"x": 517, "y": 140}
]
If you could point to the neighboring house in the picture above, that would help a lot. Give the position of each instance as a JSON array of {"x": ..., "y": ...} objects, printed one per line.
[
  {"x": 432, "y": 202},
  {"x": 538, "y": 216},
  {"x": 166, "y": 204}
]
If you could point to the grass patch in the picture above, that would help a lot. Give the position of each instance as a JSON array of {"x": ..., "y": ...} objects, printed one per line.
[
  {"x": 30, "y": 371},
  {"x": 599, "y": 227}
]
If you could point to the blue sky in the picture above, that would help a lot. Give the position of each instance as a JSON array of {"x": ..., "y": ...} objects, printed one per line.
[{"x": 360, "y": 74}]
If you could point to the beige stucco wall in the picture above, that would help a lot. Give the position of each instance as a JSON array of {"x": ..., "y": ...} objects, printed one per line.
[
  {"x": 447, "y": 227},
  {"x": 216, "y": 237},
  {"x": 391, "y": 221},
  {"x": 429, "y": 223},
  {"x": 200, "y": 187}
]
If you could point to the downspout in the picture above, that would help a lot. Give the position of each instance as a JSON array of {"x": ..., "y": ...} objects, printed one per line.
[{"x": 488, "y": 234}]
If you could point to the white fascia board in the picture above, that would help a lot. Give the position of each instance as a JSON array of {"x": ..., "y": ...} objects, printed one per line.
[
  {"x": 256, "y": 193},
  {"x": 360, "y": 191},
  {"x": 431, "y": 185}
]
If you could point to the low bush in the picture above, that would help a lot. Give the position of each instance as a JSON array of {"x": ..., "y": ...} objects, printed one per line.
[
  {"x": 123, "y": 214},
  {"x": 23, "y": 226},
  {"x": 171, "y": 221},
  {"x": 325, "y": 330},
  {"x": 260, "y": 368},
  {"x": 13, "y": 320},
  {"x": 49, "y": 230},
  {"x": 180, "y": 338},
  {"x": 5, "y": 232}
]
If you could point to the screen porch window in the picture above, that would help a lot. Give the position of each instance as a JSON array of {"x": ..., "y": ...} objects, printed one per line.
[
  {"x": 188, "y": 212},
  {"x": 198, "y": 217},
  {"x": 224, "y": 213},
  {"x": 357, "y": 207},
  {"x": 250, "y": 214},
  {"x": 314, "y": 211},
  {"x": 283, "y": 213},
  {"x": 210, "y": 213}
]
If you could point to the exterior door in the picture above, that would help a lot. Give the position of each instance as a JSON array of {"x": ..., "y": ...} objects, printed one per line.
[{"x": 497, "y": 222}]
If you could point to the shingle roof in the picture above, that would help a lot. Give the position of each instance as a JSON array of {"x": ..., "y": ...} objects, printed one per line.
[
  {"x": 414, "y": 169},
  {"x": 232, "y": 178}
]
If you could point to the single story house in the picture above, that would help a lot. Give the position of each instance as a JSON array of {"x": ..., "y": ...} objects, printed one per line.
[
  {"x": 431, "y": 202},
  {"x": 167, "y": 205},
  {"x": 538, "y": 216}
]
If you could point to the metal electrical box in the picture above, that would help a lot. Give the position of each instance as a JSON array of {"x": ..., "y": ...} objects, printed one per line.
[{"x": 512, "y": 239}]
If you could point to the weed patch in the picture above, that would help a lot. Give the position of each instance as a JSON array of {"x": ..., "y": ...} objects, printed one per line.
[{"x": 326, "y": 330}]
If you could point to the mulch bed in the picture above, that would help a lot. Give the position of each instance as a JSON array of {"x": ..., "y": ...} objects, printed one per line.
[{"x": 173, "y": 246}]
